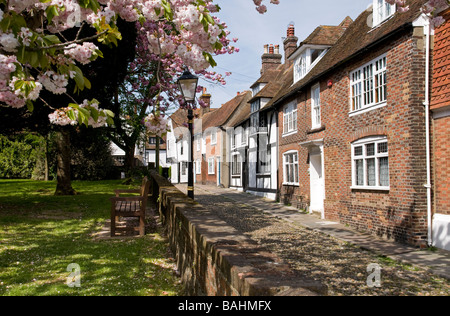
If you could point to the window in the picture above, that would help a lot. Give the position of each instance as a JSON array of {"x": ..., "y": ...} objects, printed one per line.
[
  {"x": 290, "y": 118},
  {"x": 255, "y": 106},
  {"x": 236, "y": 165},
  {"x": 258, "y": 88},
  {"x": 211, "y": 169},
  {"x": 300, "y": 67},
  {"x": 181, "y": 149},
  {"x": 381, "y": 11},
  {"x": 233, "y": 138},
  {"x": 290, "y": 166},
  {"x": 315, "y": 107},
  {"x": 244, "y": 136},
  {"x": 254, "y": 122},
  {"x": 184, "y": 166},
  {"x": 264, "y": 154},
  {"x": 152, "y": 140},
  {"x": 370, "y": 164},
  {"x": 214, "y": 137},
  {"x": 307, "y": 60},
  {"x": 198, "y": 166},
  {"x": 368, "y": 85}
]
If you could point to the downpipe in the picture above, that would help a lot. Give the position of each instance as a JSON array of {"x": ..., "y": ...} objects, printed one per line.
[{"x": 427, "y": 29}]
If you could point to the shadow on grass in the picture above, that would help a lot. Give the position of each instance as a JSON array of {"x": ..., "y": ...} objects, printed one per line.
[{"x": 42, "y": 234}]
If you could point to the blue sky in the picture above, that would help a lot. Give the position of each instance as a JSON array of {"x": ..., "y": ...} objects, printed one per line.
[{"x": 254, "y": 30}]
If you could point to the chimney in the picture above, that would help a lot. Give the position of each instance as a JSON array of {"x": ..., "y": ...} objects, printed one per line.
[
  {"x": 271, "y": 58},
  {"x": 206, "y": 98},
  {"x": 290, "y": 43}
]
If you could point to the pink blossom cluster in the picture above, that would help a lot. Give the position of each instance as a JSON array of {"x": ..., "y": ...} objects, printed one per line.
[
  {"x": 62, "y": 116},
  {"x": 81, "y": 53},
  {"x": 261, "y": 8},
  {"x": 156, "y": 124},
  {"x": 53, "y": 82},
  {"x": 431, "y": 7},
  {"x": 191, "y": 39},
  {"x": 8, "y": 96}
]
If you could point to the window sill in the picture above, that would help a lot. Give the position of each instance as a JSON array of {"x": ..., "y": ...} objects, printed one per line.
[
  {"x": 289, "y": 134},
  {"x": 291, "y": 184},
  {"x": 367, "y": 188},
  {"x": 259, "y": 133},
  {"x": 367, "y": 109},
  {"x": 316, "y": 129}
]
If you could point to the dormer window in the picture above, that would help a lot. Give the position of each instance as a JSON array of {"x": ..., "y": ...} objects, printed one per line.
[
  {"x": 306, "y": 60},
  {"x": 382, "y": 11},
  {"x": 258, "y": 88}
]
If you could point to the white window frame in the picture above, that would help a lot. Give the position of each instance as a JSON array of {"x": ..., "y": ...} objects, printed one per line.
[
  {"x": 303, "y": 62},
  {"x": 368, "y": 86},
  {"x": 236, "y": 165},
  {"x": 244, "y": 136},
  {"x": 316, "y": 120},
  {"x": 211, "y": 166},
  {"x": 365, "y": 157},
  {"x": 382, "y": 11},
  {"x": 184, "y": 167},
  {"x": 198, "y": 166},
  {"x": 290, "y": 119},
  {"x": 288, "y": 165},
  {"x": 213, "y": 137}
]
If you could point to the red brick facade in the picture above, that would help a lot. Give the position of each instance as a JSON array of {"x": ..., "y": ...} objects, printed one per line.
[
  {"x": 397, "y": 213},
  {"x": 440, "y": 105}
]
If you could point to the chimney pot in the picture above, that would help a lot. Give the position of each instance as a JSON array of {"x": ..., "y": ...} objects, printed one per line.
[
  {"x": 290, "y": 42},
  {"x": 271, "y": 49},
  {"x": 266, "y": 49}
]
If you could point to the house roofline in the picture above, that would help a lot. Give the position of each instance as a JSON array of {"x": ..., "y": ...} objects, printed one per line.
[{"x": 356, "y": 54}]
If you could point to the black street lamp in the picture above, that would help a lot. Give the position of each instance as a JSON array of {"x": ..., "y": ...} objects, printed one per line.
[{"x": 188, "y": 86}]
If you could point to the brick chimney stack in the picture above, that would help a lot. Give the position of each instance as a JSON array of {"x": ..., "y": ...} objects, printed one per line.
[
  {"x": 206, "y": 98},
  {"x": 271, "y": 58},
  {"x": 290, "y": 43}
]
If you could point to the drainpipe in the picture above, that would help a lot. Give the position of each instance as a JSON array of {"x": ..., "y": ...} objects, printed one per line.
[{"x": 427, "y": 30}]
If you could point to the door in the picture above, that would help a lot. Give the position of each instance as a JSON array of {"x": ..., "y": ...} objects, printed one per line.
[
  {"x": 218, "y": 171},
  {"x": 245, "y": 171},
  {"x": 317, "y": 185}
]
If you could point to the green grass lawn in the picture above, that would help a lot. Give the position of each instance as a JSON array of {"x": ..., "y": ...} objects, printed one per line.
[{"x": 41, "y": 234}]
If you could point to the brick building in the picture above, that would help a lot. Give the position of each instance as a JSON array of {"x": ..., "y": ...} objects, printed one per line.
[
  {"x": 210, "y": 149},
  {"x": 440, "y": 107},
  {"x": 352, "y": 124}
]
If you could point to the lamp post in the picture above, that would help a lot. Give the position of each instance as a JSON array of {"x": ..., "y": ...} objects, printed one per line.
[{"x": 188, "y": 86}]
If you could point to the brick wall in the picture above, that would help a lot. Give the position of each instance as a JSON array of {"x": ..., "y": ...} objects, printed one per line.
[
  {"x": 441, "y": 146},
  {"x": 400, "y": 212},
  {"x": 440, "y": 101}
]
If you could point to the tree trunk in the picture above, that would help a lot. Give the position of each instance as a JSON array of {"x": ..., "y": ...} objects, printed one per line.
[
  {"x": 63, "y": 185},
  {"x": 129, "y": 158}
]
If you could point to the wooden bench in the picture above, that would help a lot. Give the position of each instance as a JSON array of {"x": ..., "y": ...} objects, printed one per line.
[{"x": 130, "y": 206}]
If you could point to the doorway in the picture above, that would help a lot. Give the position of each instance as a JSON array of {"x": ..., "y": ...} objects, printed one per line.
[{"x": 317, "y": 182}]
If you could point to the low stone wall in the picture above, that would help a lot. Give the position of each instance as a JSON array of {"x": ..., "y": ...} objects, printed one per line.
[{"x": 214, "y": 259}]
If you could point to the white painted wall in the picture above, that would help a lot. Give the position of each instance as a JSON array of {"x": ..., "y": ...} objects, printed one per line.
[{"x": 441, "y": 231}]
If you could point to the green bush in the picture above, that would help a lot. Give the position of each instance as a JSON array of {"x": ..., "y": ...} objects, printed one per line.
[{"x": 19, "y": 154}]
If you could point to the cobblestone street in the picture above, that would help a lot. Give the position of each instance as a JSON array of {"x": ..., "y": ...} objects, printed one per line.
[{"x": 341, "y": 265}]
